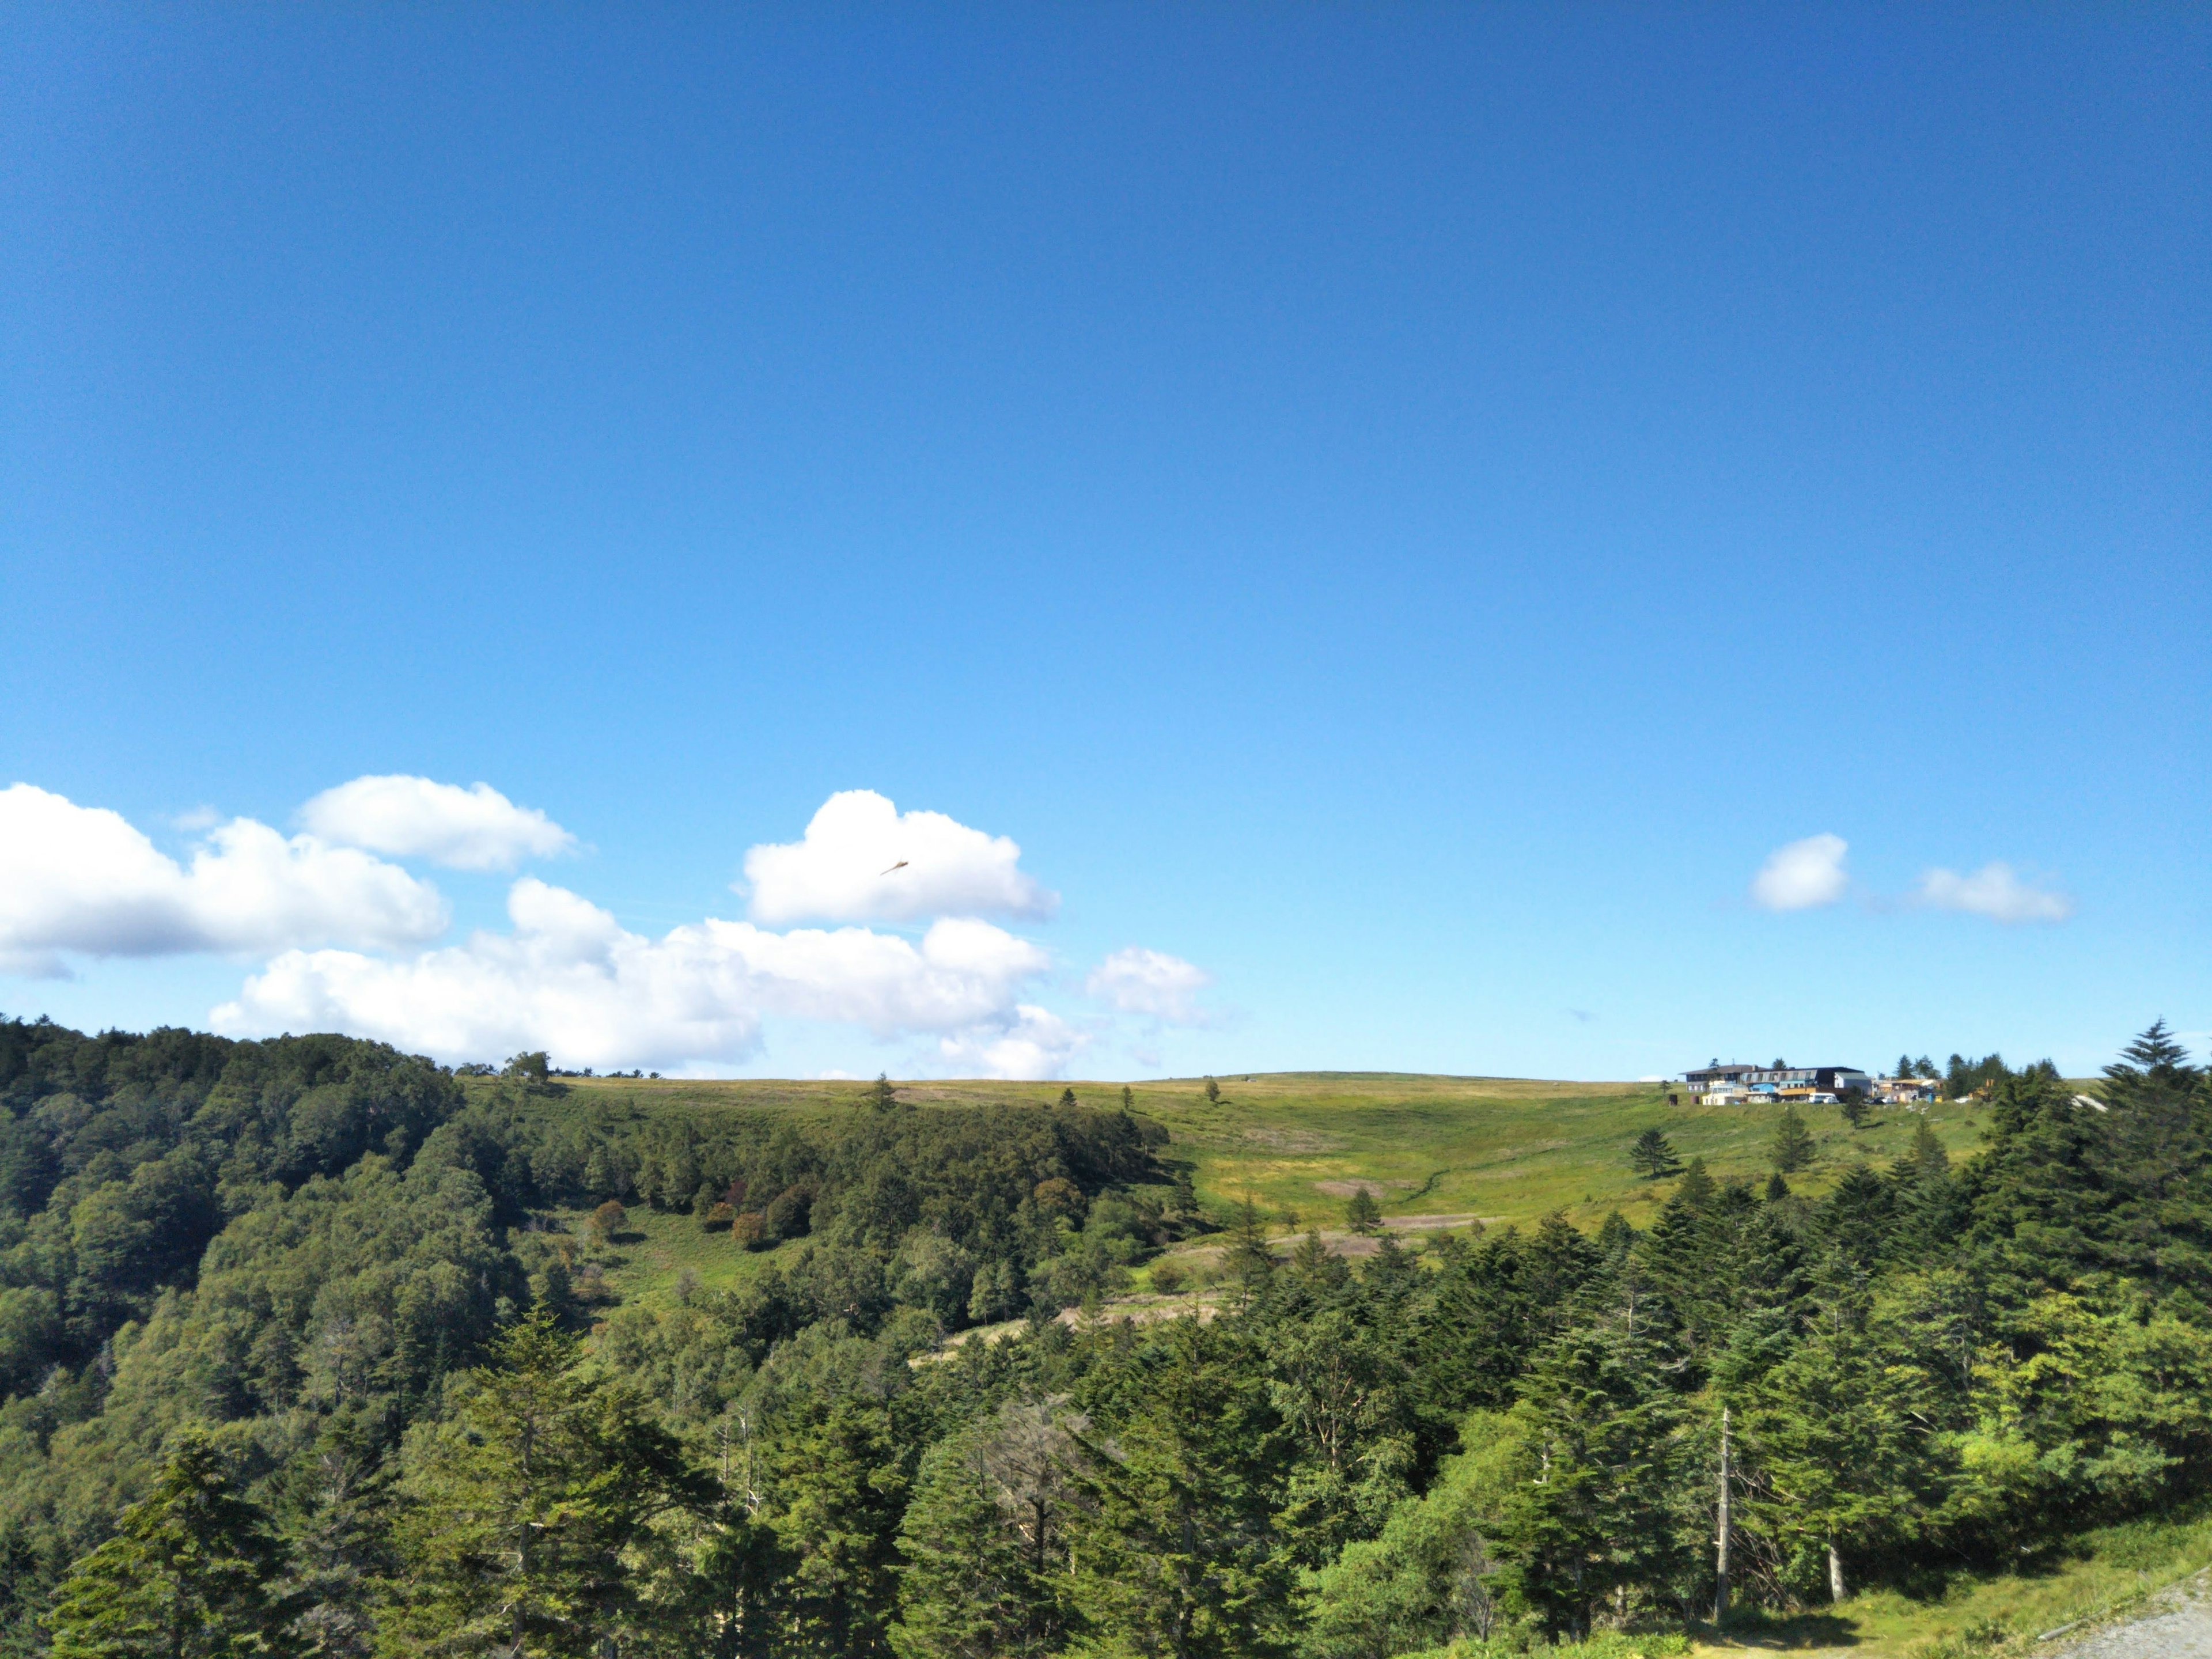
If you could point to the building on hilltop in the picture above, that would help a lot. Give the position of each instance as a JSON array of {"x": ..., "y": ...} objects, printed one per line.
[
  {"x": 1902, "y": 1090},
  {"x": 1733, "y": 1084}
]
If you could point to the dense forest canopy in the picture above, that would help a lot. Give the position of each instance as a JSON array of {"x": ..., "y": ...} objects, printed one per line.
[{"x": 305, "y": 1347}]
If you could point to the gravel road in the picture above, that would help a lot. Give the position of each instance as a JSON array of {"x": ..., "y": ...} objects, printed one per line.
[{"x": 2177, "y": 1624}]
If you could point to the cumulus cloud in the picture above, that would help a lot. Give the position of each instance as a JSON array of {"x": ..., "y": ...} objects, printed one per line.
[
  {"x": 1995, "y": 891},
  {"x": 572, "y": 979},
  {"x": 473, "y": 828},
  {"x": 1034, "y": 1043},
  {"x": 1136, "y": 980},
  {"x": 842, "y": 869},
  {"x": 81, "y": 880},
  {"x": 1803, "y": 875}
]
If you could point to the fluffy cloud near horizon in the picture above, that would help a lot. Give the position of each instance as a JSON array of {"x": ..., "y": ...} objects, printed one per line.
[
  {"x": 83, "y": 881},
  {"x": 1034, "y": 1042},
  {"x": 1138, "y": 980},
  {"x": 472, "y": 828},
  {"x": 572, "y": 979},
  {"x": 841, "y": 869},
  {"x": 1995, "y": 891},
  {"x": 1803, "y": 875},
  {"x": 351, "y": 942}
]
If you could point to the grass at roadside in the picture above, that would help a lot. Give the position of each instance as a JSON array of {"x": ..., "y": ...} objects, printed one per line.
[{"x": 2098, "y": 1576}]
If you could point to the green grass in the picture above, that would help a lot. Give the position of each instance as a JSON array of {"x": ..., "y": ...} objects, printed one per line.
[
  {"x": 647, "y": 1260},
  {"x": 2100, "y": 1575},
  {"x": 1499, "y": 1149}
]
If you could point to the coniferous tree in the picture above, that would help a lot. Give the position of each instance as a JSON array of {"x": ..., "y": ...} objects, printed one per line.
[
  {"x": 964, "y": 1590},
  {"x": 1177, "y": 1554},
  {"x": 1698, "y": 1188},
  {"x": 1249, "y": 1259},
  {"x": 337, "y": 1528},
  {"x": 192, "y": 1572},
  {"x": 1842, "y": 1434},
  {"x": 837, "y": 1484},
  {"x": 1185, "y": 1200},
  {"x": 530, "y": 1523},
  {"x": 1361, "y": 1213},
  {"x": 2159, "y": 1152},
  {"x": 1793, "y": 1143},
  {"x": 1652, "y": 1156},
  {"x": 1605, "y": 1513},
  {"x": 985, "y": 1539}
]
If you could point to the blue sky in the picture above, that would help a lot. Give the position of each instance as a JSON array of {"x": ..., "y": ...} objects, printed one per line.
[{"x": 1403, "y": 510}]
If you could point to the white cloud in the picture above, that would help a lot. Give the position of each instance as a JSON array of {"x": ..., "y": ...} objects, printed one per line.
[
  {"x": 82, "y": 880},
  {"x": 1803, "y": 875},
  {"x": 1035, "y": 1043},
  {"x": 1136, "y": 980},
  {"x": 571, "y": 980},
  {"x": 1995, "y": 892},
  {"x": 842, "y": 870},
  {"x": 475, "y": 829}
]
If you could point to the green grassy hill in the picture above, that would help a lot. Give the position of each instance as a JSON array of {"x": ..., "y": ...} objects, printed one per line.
[{"x": 1434, "y": 1151}]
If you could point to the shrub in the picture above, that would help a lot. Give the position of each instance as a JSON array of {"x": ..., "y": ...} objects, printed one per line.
[
  {"x": 716, "y": 1216},
  {"x": 790, "y": 1214},
  {"x": 750, "y": 1230},
  {"x": 1167, "y": 1277},
  {"x": 1059, "y": 1196}
]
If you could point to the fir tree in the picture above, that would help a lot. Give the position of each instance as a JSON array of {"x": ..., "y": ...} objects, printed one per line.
[
  {"x": 336, "y": 1526},
  {"x": 191, "y": 1573},
  {"x": 1177, "y": 1552},
  {"x": 1185, "y": 1200},
  {"x": 2159, "y": 1153},
  {"x": 1793, "y": 1143},
  {"x": 1361, "y": 1213},
  {"x": 1926, "y": 1159},
  {"x": 1698, "y": 1188},
  {"x": 531, "y": 1519},
  {"x": 1605, "y": 1512},
  {"x": 1249, "y": 1258},
  {"x": 964, "y": 1592},
  {"x": 837, "y": 1484},
  {"x": 1653, "y": 1157},
  {"x": 882, "y": 1095},
  {"x": 984, "y": 1539}
]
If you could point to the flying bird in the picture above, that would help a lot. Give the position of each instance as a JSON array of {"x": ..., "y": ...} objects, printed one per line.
[{"x": 901, "y": 865}]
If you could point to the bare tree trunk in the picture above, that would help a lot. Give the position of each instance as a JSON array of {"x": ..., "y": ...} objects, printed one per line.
[
  {"x": 1835, "y": 1573},
  {"x": 1720, "y": 1531}
]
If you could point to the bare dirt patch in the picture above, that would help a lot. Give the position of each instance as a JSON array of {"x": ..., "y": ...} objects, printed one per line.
[
  {"x": 1292, "y": 1140},
  {"x": 1372, "y": 1188}
]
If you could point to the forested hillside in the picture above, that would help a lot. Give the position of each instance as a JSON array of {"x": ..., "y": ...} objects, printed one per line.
[{"x": 310, "y": 1346}]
